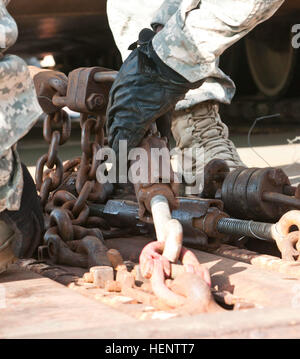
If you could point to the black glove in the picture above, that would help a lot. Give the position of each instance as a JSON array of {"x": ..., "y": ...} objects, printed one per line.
[
  {"x": 27, "y": 222},
  {"x": 144, "y": 90}
]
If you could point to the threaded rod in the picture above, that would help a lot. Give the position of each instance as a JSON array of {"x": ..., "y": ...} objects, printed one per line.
[{"x": 246, "y": 228}]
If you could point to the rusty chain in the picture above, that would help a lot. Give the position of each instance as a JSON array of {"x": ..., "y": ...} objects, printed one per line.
[
  {"x": 49, "y": 180},
  {"x": 65, "y": 188}
]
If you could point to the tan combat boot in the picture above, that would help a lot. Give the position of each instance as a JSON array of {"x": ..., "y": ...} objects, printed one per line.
[
  {"x": 200, "y": 128},
  {"x": 6, "y": 254}
]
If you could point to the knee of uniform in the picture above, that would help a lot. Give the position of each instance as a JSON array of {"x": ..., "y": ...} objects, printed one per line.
[{"x": 242, "y": 14}]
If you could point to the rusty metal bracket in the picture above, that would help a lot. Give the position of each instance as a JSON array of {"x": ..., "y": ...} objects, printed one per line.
[
  {"x": 124, "y": 214},
  {"x": 88, "y": 90},
  {"x": 198, "y": 229},
  {"x": 49, "y": 84}
]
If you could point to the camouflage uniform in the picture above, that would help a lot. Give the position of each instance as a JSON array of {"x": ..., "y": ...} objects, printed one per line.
[
  {"x": 128, "y": 18},
  {"x": 199, "y": 31},
  {"x": 195, "y": 34},
  {"x": 19, "y": 111},
  {"x": 205, "y": 27}
]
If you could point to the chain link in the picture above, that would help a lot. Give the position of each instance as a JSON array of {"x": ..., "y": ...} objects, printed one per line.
[
  {"x": 67, "y": 214},
  {"x": 49, "y": 180}
]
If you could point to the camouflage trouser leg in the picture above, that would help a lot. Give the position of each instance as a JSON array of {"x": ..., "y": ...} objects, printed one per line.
[
  {"x": 195, "y": 34},
  {"x": 201, "y": 30},
  {"x": 128, "y": 18},
  {"x": 126, "y": 21}
]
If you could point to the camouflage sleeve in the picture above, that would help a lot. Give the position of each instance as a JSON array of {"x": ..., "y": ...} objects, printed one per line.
[
  {"x": 165, "y": 12},
  {"x": 19, "y": 108},
  {"x": 19, "y": 111},
  {"x": 11, "y": 180}
]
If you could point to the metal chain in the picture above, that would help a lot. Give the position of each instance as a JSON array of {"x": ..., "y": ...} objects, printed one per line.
[
  {"x": 66, "y": 211},
  {"x": 49, "y": 180}
]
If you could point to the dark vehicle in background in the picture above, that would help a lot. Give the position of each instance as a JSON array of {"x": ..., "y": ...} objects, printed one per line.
[{"x": 74, "y": 32}]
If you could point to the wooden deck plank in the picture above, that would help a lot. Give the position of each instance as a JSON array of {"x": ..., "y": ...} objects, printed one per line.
[{"x": 39, "y": 306}]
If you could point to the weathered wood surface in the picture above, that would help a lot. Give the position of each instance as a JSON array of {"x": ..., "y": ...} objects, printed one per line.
[
  {"x": 255, "y": 285},
  {"x": 38, "y": 307}
]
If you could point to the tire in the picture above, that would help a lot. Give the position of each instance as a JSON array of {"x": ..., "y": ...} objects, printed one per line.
[{"x": 272, "y": 59}]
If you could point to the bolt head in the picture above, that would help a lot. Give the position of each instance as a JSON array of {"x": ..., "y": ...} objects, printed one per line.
[
  {"x": 95, "y": 102},
  {"x": 277, "y": 177}
]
